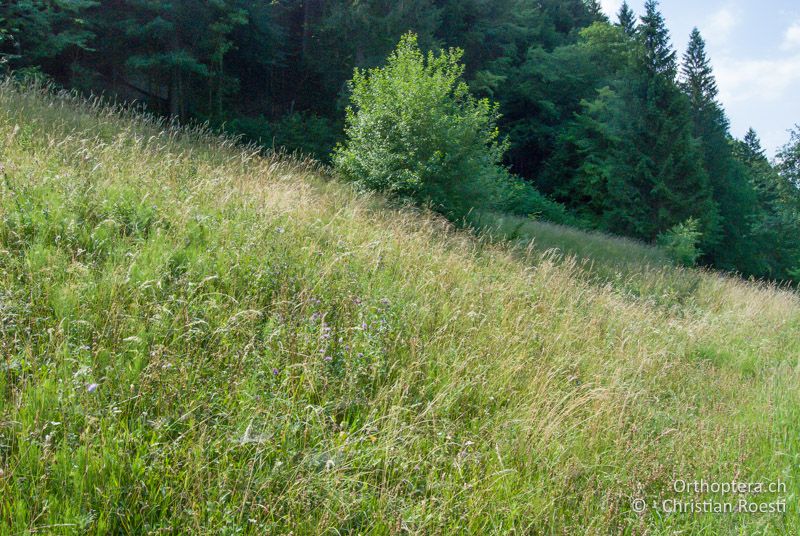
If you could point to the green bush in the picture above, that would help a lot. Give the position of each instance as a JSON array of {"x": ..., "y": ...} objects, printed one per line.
[
  {"x": 519, "y": 198},
  {"x": 414, "y": 130},
  {"x": 680, "y": 242}
]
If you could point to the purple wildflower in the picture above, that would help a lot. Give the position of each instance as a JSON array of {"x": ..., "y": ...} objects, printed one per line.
[
  {"x": 92, "y": 387},
  {"x": 275, "y": 372},
  {"x": 328, "y": 358}
]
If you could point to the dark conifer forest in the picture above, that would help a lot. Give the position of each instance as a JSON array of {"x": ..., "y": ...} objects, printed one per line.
[{"x": 606, "y": 124}]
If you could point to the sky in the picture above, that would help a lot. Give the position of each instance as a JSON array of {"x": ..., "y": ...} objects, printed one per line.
[{"x": 754, "y": 47}]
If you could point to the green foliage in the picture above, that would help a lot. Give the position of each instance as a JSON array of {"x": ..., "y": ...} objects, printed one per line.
[
  {"x": 789, "y": 169},
  {"x": 698, "y": 79},
  {"x": 659, "y": 58},
  {"x": 731, "y": 246},
  {"x": 599, "y": 116},
  {"x": 200, "y": 340},
  {"x": 306, "y": 134},
  {"x": 517, "y": 197},
  {"x": 414, "y": 130},
  {"x": 681, "y": 242},
  {"x": 627, "y": 159},
  {"x": 626, "y": 19},
  {"x": 41, "y": 30},
  {"x": 775, "y": 222}
]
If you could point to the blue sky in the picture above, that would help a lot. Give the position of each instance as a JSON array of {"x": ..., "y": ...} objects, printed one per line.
[{"x": 754, "y": 48}]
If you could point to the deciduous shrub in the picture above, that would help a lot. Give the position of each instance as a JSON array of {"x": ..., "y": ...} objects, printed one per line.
[
  {"x": 681, "y": 241},
  {"x": 414, "y": 130}
]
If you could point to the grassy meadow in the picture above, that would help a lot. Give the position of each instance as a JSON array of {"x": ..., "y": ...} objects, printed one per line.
[{"x": 200, "y": 339}]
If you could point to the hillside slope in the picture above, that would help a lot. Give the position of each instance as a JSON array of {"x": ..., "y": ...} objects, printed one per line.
[{"x": 197, "y": 339}]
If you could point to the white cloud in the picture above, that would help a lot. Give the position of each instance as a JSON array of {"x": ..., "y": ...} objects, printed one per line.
[
  {"x": 718, "y": 28},
  {"x": 791, "y": 39},
  {"x": 763, "y": 80}
]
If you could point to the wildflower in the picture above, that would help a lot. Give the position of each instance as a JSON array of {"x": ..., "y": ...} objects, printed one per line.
[
  {"x": 92, "y": 387},
  {"x": 328, "y": 358},
  {"x": 275, "y": 372}
]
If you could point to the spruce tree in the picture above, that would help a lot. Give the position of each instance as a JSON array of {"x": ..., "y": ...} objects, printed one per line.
[
  {"x": 666, "y": 161},
  {"x": 777, "y": 231},
  {"x": 752, "y": 146},
  {"x": 763, "y": 177},
  {"x": 697, "y": 77},
  {"x": 45, "y": 34},
  {"x": 627, "y": 20},
  {"x": 596, "y": 10},
  {"x": 659, "y": 56},
  {"x": 732, "y": 192}
]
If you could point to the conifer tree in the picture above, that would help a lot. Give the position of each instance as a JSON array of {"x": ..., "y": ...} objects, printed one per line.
[
  {"x": 732, "y": 192},
  {"x": 776, "y": 231},
  {"x": 596, "y": 10},
  {"x": 627, "y": 20},
  {"x": 40, "y": 32},
  {"x": 659, "y": 56},
  {"x": 664, "y": 162},
  {"x": 697, "y": 77},
  {"x": 763, "y": 177},
  {"x": 752, "y": 147}
]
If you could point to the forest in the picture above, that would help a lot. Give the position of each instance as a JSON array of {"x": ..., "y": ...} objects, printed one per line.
[
  {"x": 597, "y": 123},
  {"x": 372, "y": 267}
]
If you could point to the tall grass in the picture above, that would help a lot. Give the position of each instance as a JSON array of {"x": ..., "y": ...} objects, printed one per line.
[{"x": 198, "y": 338}]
